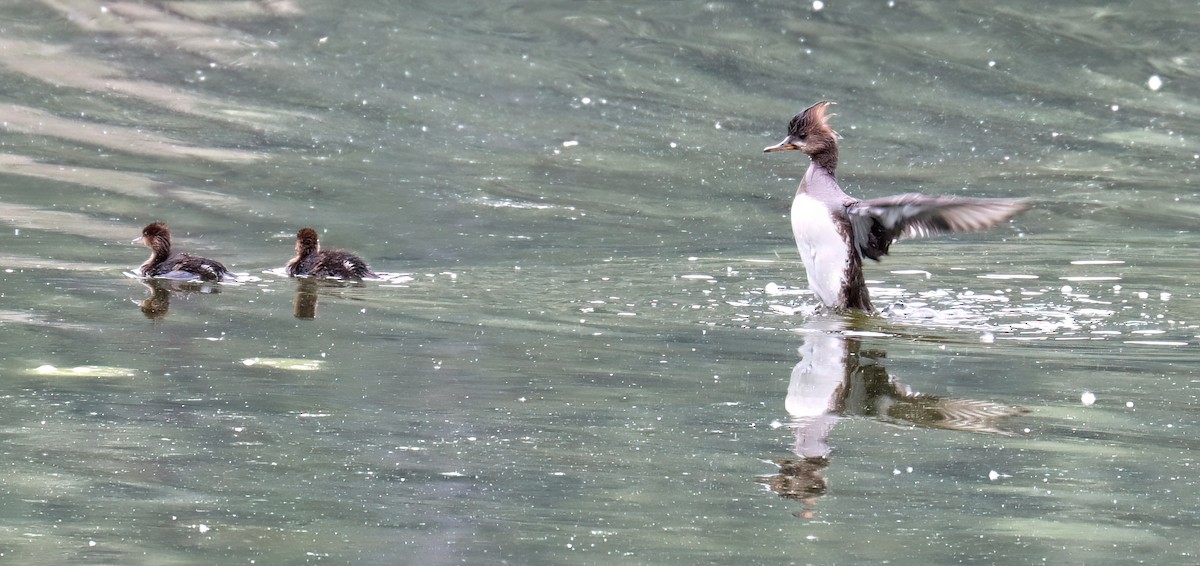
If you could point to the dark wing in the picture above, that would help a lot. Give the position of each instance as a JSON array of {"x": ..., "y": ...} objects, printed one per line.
[
  {"x": 204, "y": 268},
  {"x": 880, "y": 222},
  {"x": 341, "y": 264}
]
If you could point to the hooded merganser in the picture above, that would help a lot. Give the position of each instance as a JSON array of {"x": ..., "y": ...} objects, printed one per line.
[
  {"x": 834, "y": 231},
  {"x": 178, "y": 266},
  {"x": 310, "y": 260}
]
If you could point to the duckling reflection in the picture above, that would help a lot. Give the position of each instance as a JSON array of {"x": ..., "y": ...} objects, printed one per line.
[
  {"x": 835, "y": 378},
  {"x": 158, "y": 304},
  {"x": 304, "y": 306}
]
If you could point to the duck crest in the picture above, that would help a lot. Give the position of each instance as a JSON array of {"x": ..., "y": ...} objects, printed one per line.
[{"x": 811, "y": 128}]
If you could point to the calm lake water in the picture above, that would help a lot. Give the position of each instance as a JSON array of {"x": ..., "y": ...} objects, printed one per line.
[{"x": 593, "y": 345}]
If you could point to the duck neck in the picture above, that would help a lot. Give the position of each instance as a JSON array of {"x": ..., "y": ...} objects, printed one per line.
[
  {"x": 304, "y": 250},
  {"x": 160, "y": 250},
  {"x": 827, "y": 160}
]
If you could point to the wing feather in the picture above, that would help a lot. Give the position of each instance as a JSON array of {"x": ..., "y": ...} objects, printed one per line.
[{"x": 878, "y": 223}]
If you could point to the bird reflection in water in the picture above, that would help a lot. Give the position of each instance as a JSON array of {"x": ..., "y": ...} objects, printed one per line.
[
  {"x": 304, "y": 306},
  {"x": 835, "y": 378},
  {"x": 158, "y": 304},
  {"x": 308, "y": 289}
]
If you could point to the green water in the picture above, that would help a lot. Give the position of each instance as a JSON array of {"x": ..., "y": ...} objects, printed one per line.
[{"x": 591, "y": 335}]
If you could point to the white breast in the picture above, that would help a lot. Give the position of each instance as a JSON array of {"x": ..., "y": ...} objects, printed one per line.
[{"x": 822, "y": 249}]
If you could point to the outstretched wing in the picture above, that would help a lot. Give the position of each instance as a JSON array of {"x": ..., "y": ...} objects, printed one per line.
[{"x": 880, "y": 222}]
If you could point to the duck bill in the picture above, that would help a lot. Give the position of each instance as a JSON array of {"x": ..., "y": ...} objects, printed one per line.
[
  {"x": 137, "y": 240},
  {"x": 788, "y": 144}
]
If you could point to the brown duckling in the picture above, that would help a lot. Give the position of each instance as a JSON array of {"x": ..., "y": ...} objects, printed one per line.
[
  {"x": 179, "y": 265},
  {"x": 312, "y": 261}
]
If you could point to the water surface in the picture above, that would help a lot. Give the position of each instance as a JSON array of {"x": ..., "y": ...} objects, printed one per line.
[{"x": 594, "y": 345}]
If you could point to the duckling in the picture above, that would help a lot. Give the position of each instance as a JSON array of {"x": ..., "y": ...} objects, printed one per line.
[
  {"x": 179, "y": 265},
  {"x": 312, "y": 261}
]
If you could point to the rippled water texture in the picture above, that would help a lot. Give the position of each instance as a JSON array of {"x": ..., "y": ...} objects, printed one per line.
[{"x": 592, "y": 341}]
